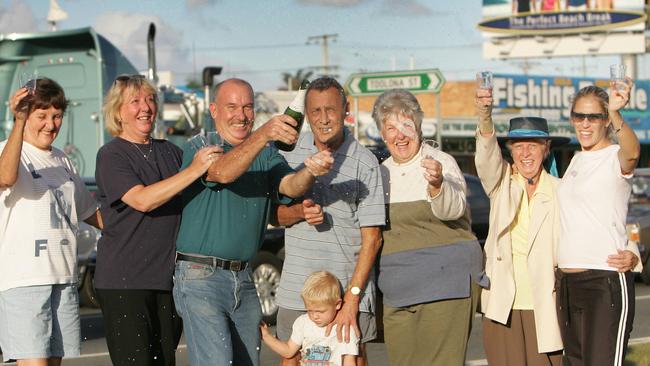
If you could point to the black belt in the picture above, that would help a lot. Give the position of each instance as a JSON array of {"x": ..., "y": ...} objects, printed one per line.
[{"x": 214, "y": 261}]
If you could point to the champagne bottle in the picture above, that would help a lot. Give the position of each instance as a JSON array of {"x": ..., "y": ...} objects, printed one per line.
[{"x": 297, "y": 111}]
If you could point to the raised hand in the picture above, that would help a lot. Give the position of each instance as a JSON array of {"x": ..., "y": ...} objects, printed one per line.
[
  {"x": 205, "y": 157},
  {"x": 432, "y": 172},
  {"x": 280, "y": 128},
  {"x": 483, "y": 103},
  {"x": 18, "y": 110},
  {"x": 319, "y": 163},
  {"x": 619, "y": 97}
]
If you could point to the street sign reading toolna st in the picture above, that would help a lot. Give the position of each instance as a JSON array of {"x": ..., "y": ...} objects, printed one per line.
[{"x": 416, "y": 81}]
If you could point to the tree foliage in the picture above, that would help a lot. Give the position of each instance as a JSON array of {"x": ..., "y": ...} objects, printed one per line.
[{"x": 292, "y": 81}]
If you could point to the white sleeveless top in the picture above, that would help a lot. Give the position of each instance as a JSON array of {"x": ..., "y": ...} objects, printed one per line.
[{"x": 593, "y": 197}]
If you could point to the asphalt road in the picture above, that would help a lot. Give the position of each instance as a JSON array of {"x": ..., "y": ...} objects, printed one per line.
[{"x": 94, "y": 350}]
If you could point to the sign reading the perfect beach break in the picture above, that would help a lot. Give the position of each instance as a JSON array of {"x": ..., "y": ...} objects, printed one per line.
[{"x": 561, "y": 16}]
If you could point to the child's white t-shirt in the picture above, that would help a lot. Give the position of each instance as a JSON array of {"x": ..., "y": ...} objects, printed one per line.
[{"x": 316, "y": 348}]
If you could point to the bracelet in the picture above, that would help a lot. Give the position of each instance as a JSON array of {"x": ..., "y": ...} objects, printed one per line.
[{"x": 618, "y": 130}]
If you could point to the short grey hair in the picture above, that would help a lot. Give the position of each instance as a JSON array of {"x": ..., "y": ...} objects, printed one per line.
[
  {"x": 324, "y": 83},
  {"x": 397, "y": 101}
]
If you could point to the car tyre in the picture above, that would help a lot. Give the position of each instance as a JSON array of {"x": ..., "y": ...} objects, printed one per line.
[
  {"x": 267, "y": 269},
  {"x": 87, "y": 295}
]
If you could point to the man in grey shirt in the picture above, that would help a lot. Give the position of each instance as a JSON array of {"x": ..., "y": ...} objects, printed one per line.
[{"x": 336, "y": 226}]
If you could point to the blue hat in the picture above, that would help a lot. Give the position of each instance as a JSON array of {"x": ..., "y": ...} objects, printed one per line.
[{"x": 526, "y": 128}]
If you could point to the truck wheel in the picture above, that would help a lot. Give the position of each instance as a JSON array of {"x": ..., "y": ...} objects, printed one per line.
[
  {"x": 267, "y": 269},
  {"x": 87, "y": 296}
]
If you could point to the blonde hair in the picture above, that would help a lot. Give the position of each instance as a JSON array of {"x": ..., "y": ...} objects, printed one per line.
[
  {"x": 321, "y": 287},
  {"x": 123, "y": 86},
  {"x": 602, "y": 98}
]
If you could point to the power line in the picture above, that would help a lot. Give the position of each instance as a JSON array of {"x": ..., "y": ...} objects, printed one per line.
[
  {"x": 398, "y": 47},
  {"x": 262, "y": 71},
  {"x": 252, "y": 47},
  {"x": 323, "y": 40},
  {"x": 338, "y": 45}
]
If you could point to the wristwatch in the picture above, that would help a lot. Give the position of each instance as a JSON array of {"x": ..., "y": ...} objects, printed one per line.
[{"x": 355, "y": 290}]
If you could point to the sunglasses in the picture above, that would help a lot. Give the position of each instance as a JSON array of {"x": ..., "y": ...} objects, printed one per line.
[
  {"x": 127, "y": 78},
  {"x": 591, "y": 117}
]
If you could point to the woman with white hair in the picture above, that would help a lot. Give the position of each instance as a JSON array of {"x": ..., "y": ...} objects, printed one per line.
[
  {"x": 520, "y": 326},
  {"x": 431, "y": 264}
]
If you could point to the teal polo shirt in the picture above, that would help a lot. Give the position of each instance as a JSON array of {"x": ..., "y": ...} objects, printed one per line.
[{"x": 229, "y": 220}]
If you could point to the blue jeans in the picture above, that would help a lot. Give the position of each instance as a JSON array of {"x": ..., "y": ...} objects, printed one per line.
[{"x": 221, "y": 314}]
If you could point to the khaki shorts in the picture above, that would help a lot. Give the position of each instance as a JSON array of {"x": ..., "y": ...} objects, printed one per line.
[{"x": 286, "y": 317}]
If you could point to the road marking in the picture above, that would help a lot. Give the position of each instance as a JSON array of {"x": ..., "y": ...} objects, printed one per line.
[
  {"x": 632, "y": 342},
  {"x": 639, "y": 340},
  {"x": 476, "y": 363},
  {"x": 103, "y": 354}
]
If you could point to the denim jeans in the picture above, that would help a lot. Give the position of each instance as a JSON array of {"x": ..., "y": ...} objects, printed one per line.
[{"x": 221, "y": 314}]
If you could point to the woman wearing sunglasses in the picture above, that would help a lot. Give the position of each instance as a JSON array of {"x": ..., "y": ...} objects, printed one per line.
[
  {"x": 595, "y": 288},
  {"x": 139, "y": 183}
]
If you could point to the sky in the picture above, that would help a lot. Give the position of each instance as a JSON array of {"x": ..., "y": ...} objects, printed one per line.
[{"x": 259, "y": 40}]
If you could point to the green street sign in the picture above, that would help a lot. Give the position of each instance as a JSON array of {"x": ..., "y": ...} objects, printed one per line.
[{"x": 416, "y": 81}]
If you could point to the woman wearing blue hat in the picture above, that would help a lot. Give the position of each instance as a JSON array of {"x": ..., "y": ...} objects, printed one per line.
[
  {"x": 595, "y": 298},
  {"x": 520, "y": 325}
]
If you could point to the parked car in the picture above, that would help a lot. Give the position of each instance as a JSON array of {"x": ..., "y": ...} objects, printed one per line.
[{"x": 638, "y": 218}]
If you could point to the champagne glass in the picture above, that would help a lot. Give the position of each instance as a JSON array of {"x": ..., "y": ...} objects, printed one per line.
[
  {"x": 484, "y": 79},
  {"x": 28, "y": 80},
  {"x": 617, "y": 75},
  {"x": 428, "y": 148},
  {"x": 213, "y": 138},
  {"x": 198, "y": 142}
]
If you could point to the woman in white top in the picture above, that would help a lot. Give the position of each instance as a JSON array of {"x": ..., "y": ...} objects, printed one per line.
[
  {"x": 43, "y": 200},
  {"x": 595, "y": 288}
]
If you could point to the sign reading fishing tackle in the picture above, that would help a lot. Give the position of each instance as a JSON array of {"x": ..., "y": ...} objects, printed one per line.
[{"x": 550, "y": 97}]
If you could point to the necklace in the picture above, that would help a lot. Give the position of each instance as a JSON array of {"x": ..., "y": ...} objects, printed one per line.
[{"x": 147, "y": 155}]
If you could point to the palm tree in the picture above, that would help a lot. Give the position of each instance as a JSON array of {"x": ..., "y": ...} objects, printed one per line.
[{"x": 292, "y": 81}]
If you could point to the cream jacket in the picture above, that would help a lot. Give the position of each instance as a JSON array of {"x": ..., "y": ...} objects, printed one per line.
[{"x": 505, "y": 196}]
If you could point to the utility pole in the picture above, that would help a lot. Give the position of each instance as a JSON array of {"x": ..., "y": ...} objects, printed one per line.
[
  {"x": 323, "y": 40},
  {"x": 526, "y": 65},
  {"x": 194, "y": 77}
]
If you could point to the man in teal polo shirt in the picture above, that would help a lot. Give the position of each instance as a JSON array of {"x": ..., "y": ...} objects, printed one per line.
[{"x": 224, "y": 218}]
